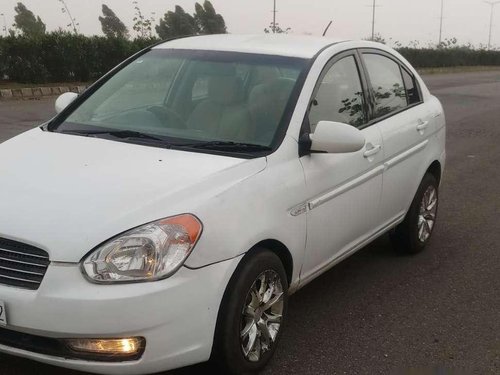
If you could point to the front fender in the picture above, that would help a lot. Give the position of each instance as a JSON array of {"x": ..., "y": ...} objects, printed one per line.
[{"x": 255, "y": 209}]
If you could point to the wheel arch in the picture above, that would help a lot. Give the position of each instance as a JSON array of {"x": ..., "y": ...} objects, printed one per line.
[
  {"x": 272, "y": 245},
  {"x": 435, "y": 170},
  {"x": 281, "y": 251}
]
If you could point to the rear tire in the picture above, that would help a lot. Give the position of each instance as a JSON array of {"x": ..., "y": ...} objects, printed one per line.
[
  {"x": 252, "y": 314},
  {"x": 415, "y": 232}
]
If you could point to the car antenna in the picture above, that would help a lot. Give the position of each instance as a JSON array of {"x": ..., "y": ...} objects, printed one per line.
[{"x": 326, "y": 30}]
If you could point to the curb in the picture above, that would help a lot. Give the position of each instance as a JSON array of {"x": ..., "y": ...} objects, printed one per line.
[{"x": 38, "y": 92}]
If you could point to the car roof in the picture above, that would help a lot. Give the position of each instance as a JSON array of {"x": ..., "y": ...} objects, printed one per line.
[{"x": 268, "y": 44}]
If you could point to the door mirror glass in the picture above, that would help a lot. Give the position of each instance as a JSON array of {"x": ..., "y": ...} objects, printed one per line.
[
  {"x": 336, "y": 138},
  {"x": 64, "y": 100}
]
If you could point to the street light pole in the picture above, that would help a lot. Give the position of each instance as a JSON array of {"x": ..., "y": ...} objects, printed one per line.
[
  {"x": 274, "y": 17},
  {"x": 4, "y": 24},
  {"x": 373, "y": 19},
  {"x": 441, "y": 23},
  {"x": 492, "y": 5}
]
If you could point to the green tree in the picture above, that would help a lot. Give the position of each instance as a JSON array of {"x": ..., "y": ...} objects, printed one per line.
[
  {"x": 27, "y": 23},
  {"x": 72, "y": 21},
  {"x": 208, "y": 20},
  {"x": 177, "y": 23},
  {"x": 449, "y": 43},
  {"x": 111, "y": 25},
  {"x": 143, "y": 25},
  {"x": 275, "y": 28},
  {"x": 377, "y": 38}
]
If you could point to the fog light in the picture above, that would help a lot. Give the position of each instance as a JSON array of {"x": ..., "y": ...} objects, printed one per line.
[{"x": 127, "y": 347}]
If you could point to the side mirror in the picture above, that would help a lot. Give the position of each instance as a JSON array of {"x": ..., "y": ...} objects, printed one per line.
[
  {"x": 336, "y": 138},
  {"x": 64, "y": 100}
]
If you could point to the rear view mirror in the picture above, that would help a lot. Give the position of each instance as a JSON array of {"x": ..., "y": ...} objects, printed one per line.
[
  {"x": 64, "y": 100},
  {"x": 336, "y": 138}
]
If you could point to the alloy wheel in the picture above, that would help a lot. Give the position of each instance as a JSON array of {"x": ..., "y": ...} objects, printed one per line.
[
  {"x": 427, "y": 213},
  {"x": 262, "y": 315}
]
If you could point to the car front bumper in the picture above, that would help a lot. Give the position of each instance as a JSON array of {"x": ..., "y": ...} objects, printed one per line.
[{"x": 176, "y": 316}]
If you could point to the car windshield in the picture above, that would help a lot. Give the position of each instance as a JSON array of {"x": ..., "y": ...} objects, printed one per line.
[{"x": 200, "y": 99}]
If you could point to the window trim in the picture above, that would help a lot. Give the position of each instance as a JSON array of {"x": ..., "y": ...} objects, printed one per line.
[
  {"x": 306, "y": 125},
  {"x": 376, "y": 51}
]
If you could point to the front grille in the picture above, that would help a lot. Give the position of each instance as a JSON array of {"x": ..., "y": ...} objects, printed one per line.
[{"x": 22, "y": 265}]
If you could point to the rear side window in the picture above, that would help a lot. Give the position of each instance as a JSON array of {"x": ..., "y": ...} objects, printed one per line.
[
  {"x": 387, "y": 84},
  {"x": 412, "y": 93}
]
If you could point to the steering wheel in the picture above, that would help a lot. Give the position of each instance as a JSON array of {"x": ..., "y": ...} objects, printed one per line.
[{"x": 167, "y": 116}]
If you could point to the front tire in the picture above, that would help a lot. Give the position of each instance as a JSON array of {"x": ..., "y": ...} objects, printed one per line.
[
  {"x": 252, "y": 314},
  {"x": 414, "y": 233}
]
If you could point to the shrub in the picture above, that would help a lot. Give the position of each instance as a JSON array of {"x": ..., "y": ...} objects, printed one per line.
[
  {"x": 65, "y": 57},
  {"x": 447, "y": 57}
]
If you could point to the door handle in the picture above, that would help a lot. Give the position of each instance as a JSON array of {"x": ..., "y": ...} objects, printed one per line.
[
  {"x": 372, "y": 151},
  {"x": 422, "y": 125}
]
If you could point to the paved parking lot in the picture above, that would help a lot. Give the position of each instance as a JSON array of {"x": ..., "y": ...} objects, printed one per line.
[{"x": 378, "y": 312}]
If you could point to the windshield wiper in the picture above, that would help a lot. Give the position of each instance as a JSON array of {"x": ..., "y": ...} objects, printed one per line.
[
  {"x": 226, "y": 145},
  {"x": 213, "y": 145},
  {"x": 122, "y": 134}
]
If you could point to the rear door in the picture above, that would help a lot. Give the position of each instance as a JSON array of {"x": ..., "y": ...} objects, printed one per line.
[{"x": 405, "y": 124}]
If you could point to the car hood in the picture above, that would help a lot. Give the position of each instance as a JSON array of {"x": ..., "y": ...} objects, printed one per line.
[{"x": 67, "y": 194}]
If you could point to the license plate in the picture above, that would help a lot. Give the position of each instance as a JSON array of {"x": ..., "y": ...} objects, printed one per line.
[{"x": 3, "y": 314}]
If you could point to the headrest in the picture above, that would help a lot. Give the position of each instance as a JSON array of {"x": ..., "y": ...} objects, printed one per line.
[
  {"x": 267, "y": 103},
  {"x": 225, "y": 89},
  {"x": 265, "y": 74},
  {"x": 271, "y": 95},
  {"x": 212, "y": 68}
]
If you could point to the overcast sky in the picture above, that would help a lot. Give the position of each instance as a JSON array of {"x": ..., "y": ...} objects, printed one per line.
[{"x": 402, "y": 20}]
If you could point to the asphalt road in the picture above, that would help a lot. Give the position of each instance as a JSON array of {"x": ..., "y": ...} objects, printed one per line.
[{"x": 382, "y": 313}]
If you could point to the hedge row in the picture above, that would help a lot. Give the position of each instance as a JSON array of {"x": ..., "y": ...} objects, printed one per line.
[
  {"x": 447, "y": 57},
  {"x": 64, "y": 57}
]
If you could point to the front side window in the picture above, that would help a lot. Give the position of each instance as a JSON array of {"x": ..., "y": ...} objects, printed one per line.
[
  {"x": 387, "y": 84},
  {"x": 340, "y": 96},
  {"x": 187, "y": 97}
]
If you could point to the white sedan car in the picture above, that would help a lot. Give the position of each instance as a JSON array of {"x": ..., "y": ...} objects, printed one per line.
[{"x": 164, "y": 216}]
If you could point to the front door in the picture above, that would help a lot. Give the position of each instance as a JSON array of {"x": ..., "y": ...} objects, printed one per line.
[{"x": 344, "y": 189}]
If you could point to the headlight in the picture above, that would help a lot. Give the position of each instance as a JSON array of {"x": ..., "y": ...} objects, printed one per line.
[{"x": 150, "y": 252}]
